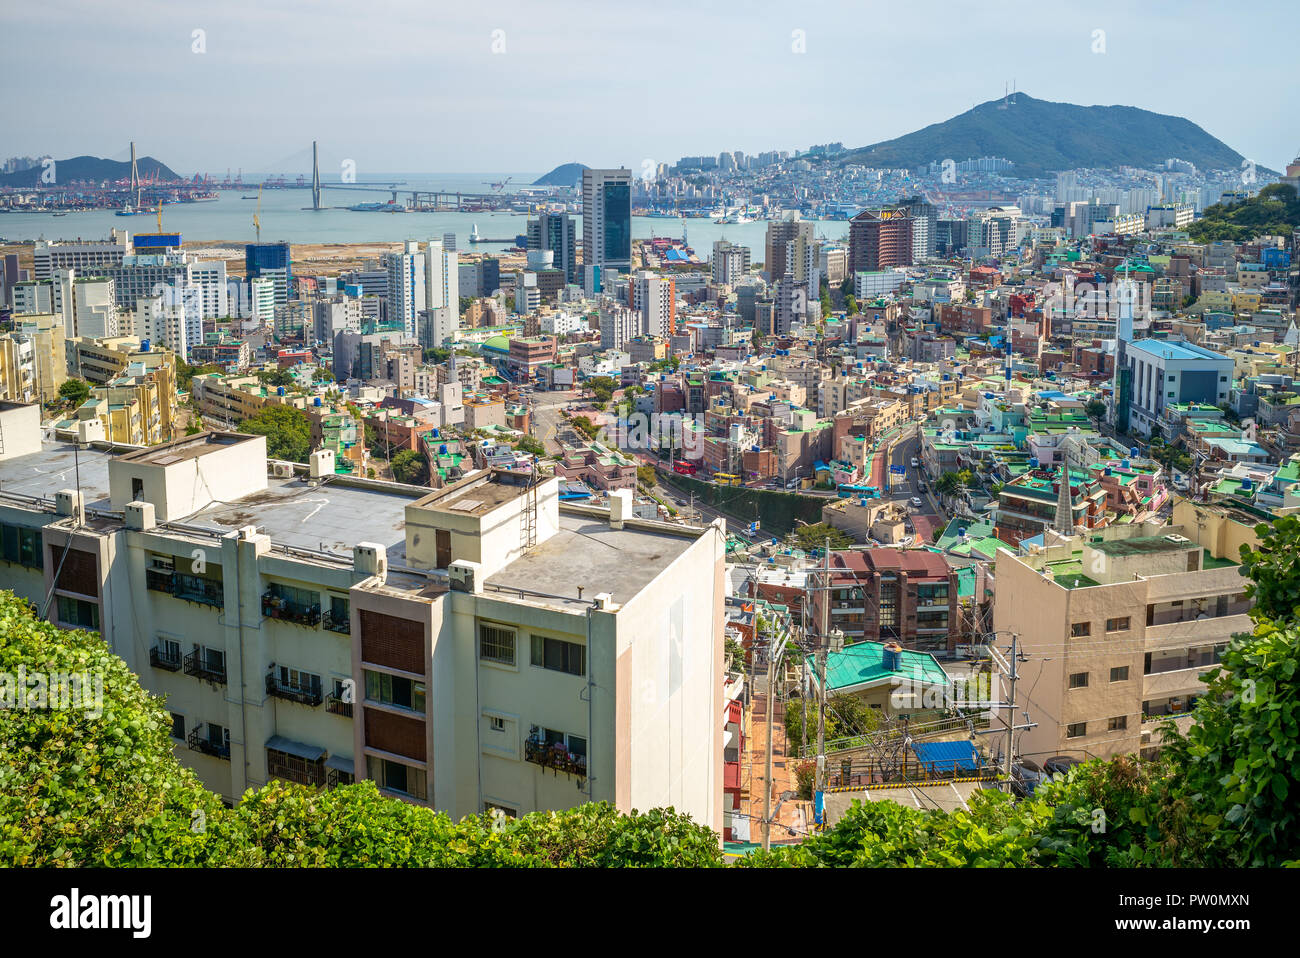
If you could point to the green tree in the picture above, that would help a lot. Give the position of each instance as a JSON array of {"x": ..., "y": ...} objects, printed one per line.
[
  {"x": 1095, "y": 409},
  {"x": 409, "y": 466},
  {"x": 531, "y": 445},
  {"x": 185, "y": 373},
  {"x": 851, "y": 304},
  {"x": 74, "y": 391},
  {"x": 277, "y": 377},
  {"x": 647, "y": 476},
  {"x": 287, "y": 431},
  {"x": 815, "y": 536}
]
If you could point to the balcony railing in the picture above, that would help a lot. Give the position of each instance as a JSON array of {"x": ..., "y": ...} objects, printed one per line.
[
  {"x": 286, "y": 610},
  {"x": 337, "y": 623},
  {"x": 335, "y": 777},
  {"x": 162, "y": 659},
  {"x": 301, "y": 772},
  {"x": 196, "y": 588},
  {"x": 334, "y": 703},
  {"x": 555, "y": 758},
  {"x": 311, "y": 696},
  {"x": 201, "y": 743},
  {"x": 197, "y": 665}
]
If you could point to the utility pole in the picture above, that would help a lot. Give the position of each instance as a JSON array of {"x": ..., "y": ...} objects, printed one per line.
[
  {"x": 822, "y": 639},
  {"x": 1011, "y": 706},
  {"x": 771, "y": 707}
]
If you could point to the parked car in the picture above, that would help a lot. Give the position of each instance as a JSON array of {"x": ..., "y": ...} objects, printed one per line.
[
  {"x": 1025, "y": 777},
  {"x": 1060, "y": 764},
  {"x": 916, "y": 463},
  {"x": 916, "y": 501}
]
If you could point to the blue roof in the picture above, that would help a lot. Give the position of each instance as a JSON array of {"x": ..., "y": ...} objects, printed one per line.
[{"x": 947, "y": 756}]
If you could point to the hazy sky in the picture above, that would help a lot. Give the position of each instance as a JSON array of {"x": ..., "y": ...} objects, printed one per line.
[{"x": 415, "y": 85}]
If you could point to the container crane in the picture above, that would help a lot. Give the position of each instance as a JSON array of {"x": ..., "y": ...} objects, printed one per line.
[{"x": 257, "y": 214}]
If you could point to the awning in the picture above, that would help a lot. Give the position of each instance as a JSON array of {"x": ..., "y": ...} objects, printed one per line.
[
  {"x": 947, "y": 756},
  {"x": 344, "y": 763},
  {"x": 311, "y": 753}
]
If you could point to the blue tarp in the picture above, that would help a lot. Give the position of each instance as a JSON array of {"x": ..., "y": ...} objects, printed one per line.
[{"x": 947, "y": 756}]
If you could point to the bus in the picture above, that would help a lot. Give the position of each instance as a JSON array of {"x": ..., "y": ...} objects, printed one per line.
[
  {"x": 847, "y": 491},
  {"x": 684, "y": 468},
  {"x": 726, "y": 479}
]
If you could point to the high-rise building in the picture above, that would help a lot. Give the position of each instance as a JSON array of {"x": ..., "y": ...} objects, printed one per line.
[
  {"x": 780, "y": 233},
  {"x": 607, "y": 219},
  {"x": 618, "y": 324},
  {"x": 47, "y": 257},
  {"x": 272, "y": 259},
  {"x": 729, "y": 262},
  {"x": 556, "y": 232},
  {"x": 441, "y": 277},
  {"x": 925, "y": 219},
  {"x": 406, "y": 287},
  {"x": 880, "y": 239},
  {"x": 654, "y": 298}
]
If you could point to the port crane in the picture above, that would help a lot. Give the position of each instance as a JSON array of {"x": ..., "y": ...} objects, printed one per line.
[
  {"x": 499, "y": 187},
  {"x": 257, "y": 214}
]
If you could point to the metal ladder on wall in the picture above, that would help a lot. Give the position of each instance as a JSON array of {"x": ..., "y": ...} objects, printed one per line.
[{"x": 528, "y": 523}]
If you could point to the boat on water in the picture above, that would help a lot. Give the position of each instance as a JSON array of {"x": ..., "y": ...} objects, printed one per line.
[
  {"x": 248, "y": 197},
  {"x": 61, "y": 214},
  {"x": 128, "y": 210},
  {"x": 377, "y": 208}
]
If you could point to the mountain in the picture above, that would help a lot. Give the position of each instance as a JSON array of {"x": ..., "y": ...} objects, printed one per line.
[
  {"x": 566, "y": 174},
  {"x": 1040, "y": 136},
  {"x": 91, "y": 168}
]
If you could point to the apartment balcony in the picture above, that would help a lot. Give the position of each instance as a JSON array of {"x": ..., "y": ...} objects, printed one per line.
[
  {"x": 286, "y": 610},
  {"x": 196, "y": 588},
  {"x": 556, "y": 759},
  {"x": 294, "y": 769},
  {"x": 1174, "y": 681},
  {"x": 198, "y": 742},
  {"x": 312, "y": 696},
  {"x": 337, "y": 623},
  {"x": 336, "y": 705},
  {"x": 162, "y": 659},
  {"x": 1151, "y": 723},
  {"x": 1179, "y": 633},
  {"x": 198, "y": 665}
]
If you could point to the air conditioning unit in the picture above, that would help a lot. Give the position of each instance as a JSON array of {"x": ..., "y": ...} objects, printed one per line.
[
  {"x": 370, "y": 558},
  {"x": 1180, "y": 540},
  {"x": 282, "y": 470},
  {"x": 465, "y": 576}
]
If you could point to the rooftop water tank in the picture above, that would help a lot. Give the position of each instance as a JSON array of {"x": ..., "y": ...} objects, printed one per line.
[
  {"x": 1125, "y": 463},
  {"x": 1246, "y": 485},
  {"x": 1108, "y": 470},
  {"x": 891, "y": 657},
  {"x": 317, "y": 402},
  {"x": 279, "y": 390},
  {"x": 144, "y": 345},
  {"x": 1133, "y": 452},
  {"x": 1033, "y": 463}
]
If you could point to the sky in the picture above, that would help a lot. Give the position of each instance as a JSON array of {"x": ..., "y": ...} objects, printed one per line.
[{"x": 524, "y": 85}]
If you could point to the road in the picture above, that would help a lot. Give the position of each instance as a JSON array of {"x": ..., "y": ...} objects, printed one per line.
[
  {"x": 545, "y": 414},
  {"x": 930, "y": 519}
]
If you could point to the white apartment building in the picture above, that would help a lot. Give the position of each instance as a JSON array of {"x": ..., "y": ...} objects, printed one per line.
[
  {"x": 618, "y": 324},
  {"x": 441, "y": 276},
  {"x": 729, "y": 263},
  {"x": 1118, "y": 625},
  {"x": 49, "y": 257},
  {"x": 262, "y": 297},
  {"x": 655, "y": 299},
  {"x": 407, "y": 293},
  {"x": 479, "y": 646}
]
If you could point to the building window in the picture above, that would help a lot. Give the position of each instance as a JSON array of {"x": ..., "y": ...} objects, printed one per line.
[
  {"x": 559, "y": 655},
  {"x": 21, "y": 545},
  {"x": 77, "y": 613},
  {"x": 1119, "y": 674},
  {"x": 394, "y": 690},
  {"x": 1120, "y": 624},
  {"x": 1079, "y": 680},
  {"x": 297, "y": 681},
  {"x": 1080, "y": 629},
  {"x": 396, "y": 777},
  {"x": 1076, "y": 730},
  {"x": 178, "y": 726},
  {"x": 1117, "y": 724},
  {"x": 496, "y": 644},
  {"x": 498, "y": 724}
]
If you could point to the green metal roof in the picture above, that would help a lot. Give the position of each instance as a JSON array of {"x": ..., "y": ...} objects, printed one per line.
[{"x": 863, "y": 664}]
